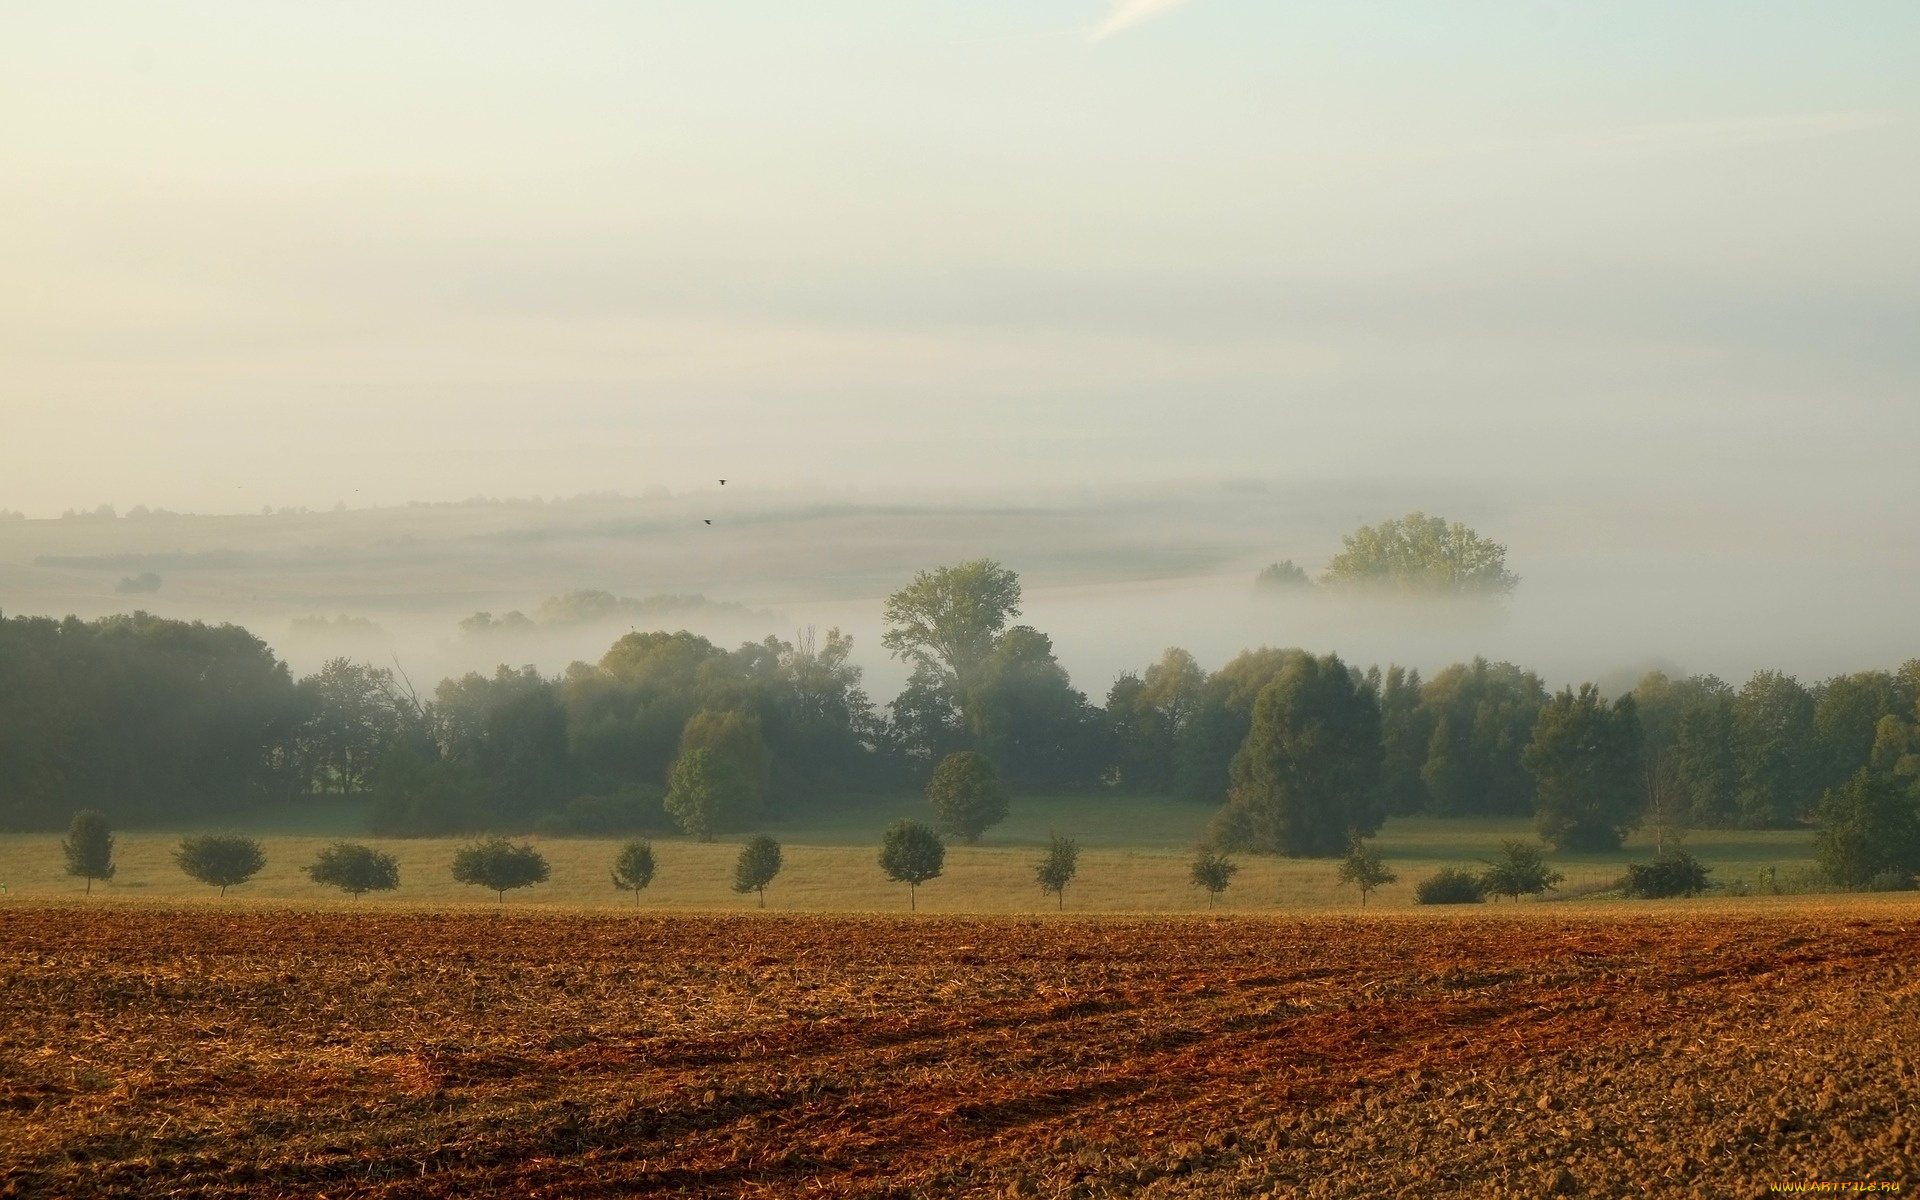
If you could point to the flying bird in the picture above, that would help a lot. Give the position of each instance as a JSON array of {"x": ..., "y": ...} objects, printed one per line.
[
  {"x": 723, "y": 483},
  {"x": 709, "y": 522}
]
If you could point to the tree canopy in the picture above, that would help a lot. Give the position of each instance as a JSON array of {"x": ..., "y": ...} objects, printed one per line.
[
  {"x": 947, "y": 619},
  {"x": 1421, "y": 555}
]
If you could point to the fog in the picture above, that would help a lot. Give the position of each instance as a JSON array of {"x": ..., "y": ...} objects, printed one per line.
[{"x": 1114, "y": 578}]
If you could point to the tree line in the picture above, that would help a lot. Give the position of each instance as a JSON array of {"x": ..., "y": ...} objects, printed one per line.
[{"x": 150, "y": 720}]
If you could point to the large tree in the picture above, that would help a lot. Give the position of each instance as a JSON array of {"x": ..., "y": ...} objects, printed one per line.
[
  {"x": 1869, "y": 827},
  {"x": 1585, "y": 754},
  {"x": 1774, "y": 750},
  {"x": 1421, "y": 554},
  {"x": 1303, "y": 782},
  {"x": 949, "y": 619}
]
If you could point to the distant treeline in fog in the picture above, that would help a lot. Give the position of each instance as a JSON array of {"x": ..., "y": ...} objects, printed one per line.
[{"x": 151, "y": 720}]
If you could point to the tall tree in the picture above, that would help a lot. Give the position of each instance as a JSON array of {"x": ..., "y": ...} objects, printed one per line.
[
  {"x": 1774, "y": 750},
  {"x": 1421, "y": 554},
  {"x": 1869, "y": 826},
  {"x": 1217, "y": 723},
  {"x": 1586, "y": 756},
  {"x": 1304, "y": 780},
  {"x": 948, "y": 619}
]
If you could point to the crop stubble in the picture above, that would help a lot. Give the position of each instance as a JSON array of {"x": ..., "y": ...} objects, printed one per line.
[{"x": 281, "y": 1053}]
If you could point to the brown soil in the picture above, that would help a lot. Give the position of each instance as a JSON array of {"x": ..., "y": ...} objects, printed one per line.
[{"x": 271, "y": 1054}]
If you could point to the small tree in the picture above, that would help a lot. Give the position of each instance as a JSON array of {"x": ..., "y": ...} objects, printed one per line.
[
  {"x": 1868, "y": 826},
  {"x": 1058, "y": 867},
  {"x": 89, "y": 847},
  {"x": 633, "y": 868},
  {"x": 759, "y": 863},
  {"x": 1450, "y": 885},
  {"x": 220, "y": 860},
  {"x": 1364, "y": 868},
  {"x": 966, "y": 795},
  {"x": 910, "y": 853},
  {"x": 1674, "y": 874},
  {"x": 355, "y": 869},
  {"x": 1519, "y": 871},
  {"x": 497, "y": 864},
  {"x": 1212, "y": 871}
]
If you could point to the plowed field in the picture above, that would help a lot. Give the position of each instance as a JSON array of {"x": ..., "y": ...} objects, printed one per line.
[{"x": 266, "y": 1054}]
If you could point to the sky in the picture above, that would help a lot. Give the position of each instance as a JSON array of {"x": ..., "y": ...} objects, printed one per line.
[{"x": 305, "y": 253}]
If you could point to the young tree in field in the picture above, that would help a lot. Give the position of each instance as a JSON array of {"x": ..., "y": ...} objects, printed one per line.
[
  {"x": 1213, "y": 872},
  {"x": 910, "y": 853},
  {"x": 1304, "y": 778},
  {"x": 1519, "y": 871},
  {"x": 1058, "y": 867},
  {"x": 633, "y": 868},
  {"x": 498, "y": 865},
  {"x": 1868, "y": 827},
  {"x": 89, "y": 847},
  {"x": 220, "y": 860},
  {"x": 1364, "y": 868},
  {"x": 759, "y": 863},
  {"x": 966, "y": 795},
  {"x": 355, "y": 869},
  {"x": 1585, "y": 756}
]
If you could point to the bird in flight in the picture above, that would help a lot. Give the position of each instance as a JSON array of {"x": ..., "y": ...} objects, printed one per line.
[
  {"x": 723, "y": 483},
  {"x": 709, "y": 522}
]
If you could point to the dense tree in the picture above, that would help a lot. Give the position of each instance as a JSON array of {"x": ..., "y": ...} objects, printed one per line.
[
  {"x": 356, "y": 713},
  {"x": 355, "y": 869},
  {"x": 739, "y": 753},
  {"x": 1481, "y": 716},
  {"x": 1025, "y": 716},
  {"x": 1773, "y": 750},
  {"x": 703, "y": 793},
  {"x": 1674, "y": 874},
  {"x": 1213, "y": 872},
  {"x": 633, "y": 868},
  {"x": 511, "y": 731},
  {"x": 220, "y": 860},
  {"x": 1520, "y": 870},
  {"x": 1421, "y": 554},
  {"x": 1847, "y": 711},
  {"x": 1450, "y": 885},
  {"x": 1304, "y": 780},
  {"x": 1869, "y": 827},
  {"x": 416, "y": 793},
  {"x": 1406, "y": 732},
  {"x": 1585, "y": 756},
  {"x": 966, "y": 796},
  {"x": 948, "y": 620},
  {"x": 1148, "y": 716},
  {"x": 1365, "y": 868},
  {"x": 1057, "y": 867},
  {"x": 759, "y": 862},
  {"x": 499, "y": 866},
  {"x": 88, "y": 847},
  {"x": 1220, "y": 716},
  {"x": 911, "y": 853}
]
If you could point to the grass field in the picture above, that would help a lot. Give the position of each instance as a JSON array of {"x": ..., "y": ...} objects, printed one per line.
[
  {"x": 1533, "y": 1050},
  {"x": 1135, "y": 854}
]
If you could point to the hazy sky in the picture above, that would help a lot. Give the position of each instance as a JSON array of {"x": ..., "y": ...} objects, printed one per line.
[{"x": 298, "y": 253}]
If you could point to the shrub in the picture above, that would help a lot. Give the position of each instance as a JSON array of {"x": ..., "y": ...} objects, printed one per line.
[
  {"x": 499, "y": 865},
  {"x": 1058, "y": 866},
  {"x": 966, "y": 795},
  {"x": 220, "y": 860},
  {"x": 633, "y": 868},
  {"x": 1674, "y": 874},
  {"x": 89, "y": 847},
  {"x": 1450, "y": 885},
  {"x": 355, "y": 869},
  {"x": 759, "y": 863},
  {"x": 910, "y": 853}
]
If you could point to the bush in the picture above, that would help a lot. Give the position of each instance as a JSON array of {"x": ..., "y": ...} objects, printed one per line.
[
  {"x": 1450, "y": 885},
  {"x": 499, "y": 865},
  {"x": 220, "y": 860},
  {"x": 355, "y": 869},
  {"x": 1675, "y": 874}
]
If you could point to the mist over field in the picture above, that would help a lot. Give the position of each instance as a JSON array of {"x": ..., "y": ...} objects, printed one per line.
[{"x": 1113, "y": 577}]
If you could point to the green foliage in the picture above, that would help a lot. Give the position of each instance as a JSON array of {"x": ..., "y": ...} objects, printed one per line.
[
  {"x": 1406, "y": 732},
  {"x": 220, "y": 860},
  {"x": 966, "y": 796},
  {"x": 1673, "y": 874},
  {"x": 355, "y": 869},
  {"x": 1281, "y": 577},
  {"x": 1521, "y": 870},
  {"x": 740, "y": 752},
  {"x": 1023, "y": 714},
  {"x": 948, "y": 619},
  {"x": 1421, "y": 554},
  {"x": 1058, "y": 866},
  {"x": 1869, "y": 826},
  {"x": 1304, "y": 779},
  {"x": 88, "y": 847},
  {"x": 356, "y": 713},
  {"x": 1586, "y": 756},
  {"x": 1364, "y": 868},
  {"x": 705, "y": 793},
  {"x": 1213, "y": 871},
  {"x": 1478, "y": 718},
  {"x": 509, "y": 732},
  {"x": 1450, "y": 885},
  {"x": 759, "y": 862},
  {"x": 498, "y": 865},
  {"x": 419, "y": 794},
  {"x": 911, "y": 853},
  {"x": 633, "y": 868},
  {"x": 1774, "y": 750},
  {"x": 1148, "y": 718}
]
